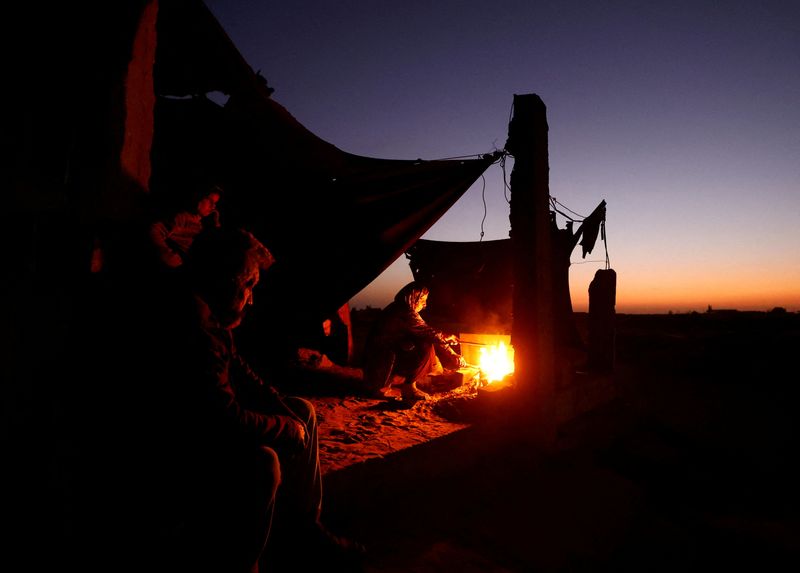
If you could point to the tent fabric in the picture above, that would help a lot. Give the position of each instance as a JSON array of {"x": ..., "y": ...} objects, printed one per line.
[
  {"x": 334, "y": 220},
  {"x": 590, "y": 228},
  {"x": 471, "y": 286},
  {"x": 195, "y": 54},
  {"x": 470, "y": 283},
  {"x": 333, "y": 225}
]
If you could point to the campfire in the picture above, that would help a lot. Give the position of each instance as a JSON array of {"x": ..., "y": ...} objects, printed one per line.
[{"x": 491, "y": 353}]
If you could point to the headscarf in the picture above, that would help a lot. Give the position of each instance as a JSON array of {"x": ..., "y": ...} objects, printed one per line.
[{"x": 411, "y": 294}]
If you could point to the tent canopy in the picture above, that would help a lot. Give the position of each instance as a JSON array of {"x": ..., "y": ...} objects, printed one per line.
[
  {"x": 333, "y": 220},
  {"x": 470, "y": 283}
]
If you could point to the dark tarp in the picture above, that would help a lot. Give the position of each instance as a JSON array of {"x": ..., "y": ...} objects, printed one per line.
[
  {"x": 472, "y": 285},
  {"x": 333, "y": 220},
  {"x": 471, "y": 282}
]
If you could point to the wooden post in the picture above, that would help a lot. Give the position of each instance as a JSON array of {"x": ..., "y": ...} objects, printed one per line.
[
  {"x": 602, "y": 314},
  {"x": 533, "y": 324}
]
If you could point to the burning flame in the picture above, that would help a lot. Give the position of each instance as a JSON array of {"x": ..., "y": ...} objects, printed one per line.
[{"x": 496, "y": 361}]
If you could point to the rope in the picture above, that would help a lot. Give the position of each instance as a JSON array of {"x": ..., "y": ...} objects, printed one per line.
[
  {"x": 485, "y": 211},
  {"x": 555, "y": 202},
  {"x": 501, "y": 156},
  {"x": 605, "y": 242},
  {"x": 607, "y": 261},
  {"x": 506, "y": 186},
  {"x": 497, "y": 154}
]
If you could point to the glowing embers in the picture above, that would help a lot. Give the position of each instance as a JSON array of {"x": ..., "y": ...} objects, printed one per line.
[{"x": 492, "y": 353}]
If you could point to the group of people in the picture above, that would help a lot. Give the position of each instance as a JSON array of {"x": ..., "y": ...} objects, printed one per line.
[{"x": 250, "y": 453}]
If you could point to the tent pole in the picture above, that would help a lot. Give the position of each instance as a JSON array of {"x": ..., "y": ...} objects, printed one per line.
[{"x": 532, "y": 299}]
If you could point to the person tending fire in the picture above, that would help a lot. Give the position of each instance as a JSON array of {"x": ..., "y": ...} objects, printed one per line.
[{"x": 400, "y": 343}]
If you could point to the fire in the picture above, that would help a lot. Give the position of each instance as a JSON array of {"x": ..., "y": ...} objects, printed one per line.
[
  {"x": 496, "y": 361},
  {"x": 492, "y": 353}
]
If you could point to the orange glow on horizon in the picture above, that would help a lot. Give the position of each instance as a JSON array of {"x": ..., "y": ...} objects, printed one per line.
[{"x": 653, "y": 288}]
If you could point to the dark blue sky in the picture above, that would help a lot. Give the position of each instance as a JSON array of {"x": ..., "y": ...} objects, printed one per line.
[{"x": 683, "y": 116}]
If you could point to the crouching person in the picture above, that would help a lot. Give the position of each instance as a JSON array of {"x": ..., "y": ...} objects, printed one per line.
[{"x": 400, "y": 343}]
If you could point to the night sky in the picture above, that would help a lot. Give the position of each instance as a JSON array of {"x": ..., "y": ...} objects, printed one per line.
[{"x": 683, "y": 116}]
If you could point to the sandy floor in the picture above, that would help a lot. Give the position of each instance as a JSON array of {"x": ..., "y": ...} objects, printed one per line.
[{"x": 354, "y": 429}]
